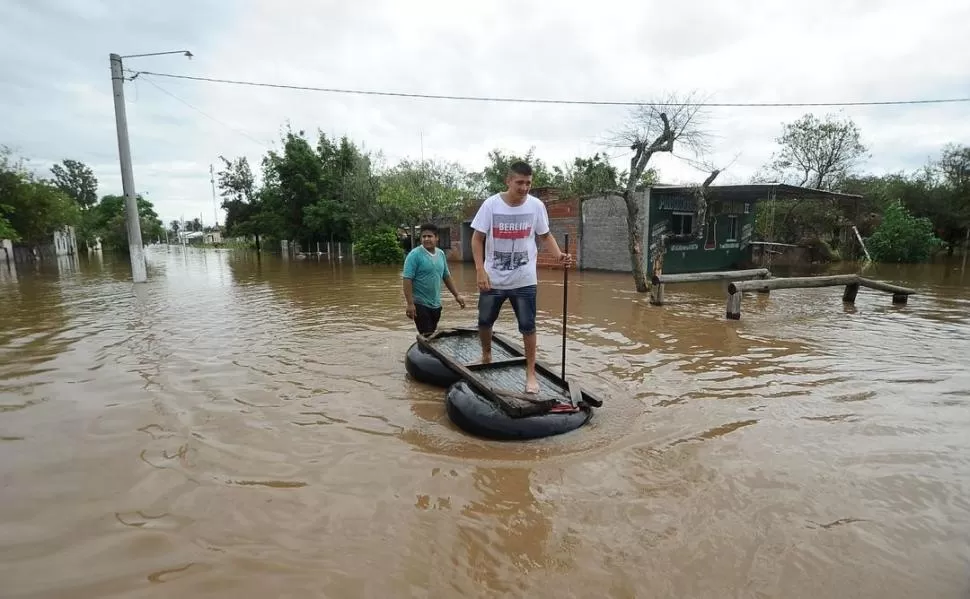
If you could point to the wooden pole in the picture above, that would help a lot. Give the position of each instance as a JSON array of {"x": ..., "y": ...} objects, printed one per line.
[
  {"x": 565, "y": 303},
  {"x": 733, "y": 311},
  {"x": 720, "y": 275},
  {"x": 659, "y": 281},
  {"x": 792, "y": 283},
  {"x": 862, "y": 243},
  {"x": 852, "y": 284},
  {"x": 851, "y": 290},
  {"x": 880, "y": 286}
]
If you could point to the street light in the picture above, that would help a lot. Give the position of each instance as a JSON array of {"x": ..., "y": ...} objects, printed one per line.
[{"x": 139, "y": 272}]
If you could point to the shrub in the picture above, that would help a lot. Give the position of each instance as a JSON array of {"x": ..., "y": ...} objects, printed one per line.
[
  {"x": 379, "y": 247},
  {"x": 901, "y": 237}
]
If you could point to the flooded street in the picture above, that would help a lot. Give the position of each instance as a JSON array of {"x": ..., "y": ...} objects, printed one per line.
[{"x": 244, "y": 427}]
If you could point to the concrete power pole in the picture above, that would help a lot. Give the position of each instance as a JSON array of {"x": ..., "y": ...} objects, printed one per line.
[
  {"x": 215, "y": 207},
  {"x": 136, "y": 248}
]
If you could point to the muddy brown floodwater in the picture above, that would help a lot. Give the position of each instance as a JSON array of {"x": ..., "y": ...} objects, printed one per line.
[{"x": 242, "y": 427}]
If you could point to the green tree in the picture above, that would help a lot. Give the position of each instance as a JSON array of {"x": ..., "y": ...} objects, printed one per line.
[
  {"x": 379, "y": 246},
  {"x": 901, "y": 237},
  {"x": 653, "y": 129},
  {"x": 6, "y": 228},
  {"x": 593, "y": 176},
  {"x": 240, "y": 199},
  {"x": 109, "y": 222},
  {"x": 413, "y": 192},
  {"x": 33, "y": 208},
  {"x": 491, "y": 179},
  {"x": 77, "y": 181},
  {"x": 817, "y": 153}
]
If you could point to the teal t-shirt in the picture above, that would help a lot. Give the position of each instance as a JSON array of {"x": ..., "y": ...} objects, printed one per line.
[{"x": 426, "y": 273}]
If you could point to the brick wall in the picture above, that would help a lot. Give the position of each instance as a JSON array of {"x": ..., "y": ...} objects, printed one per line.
[
  {"x": 605, "y": 235},
  {"x": 563, "y": 218}
]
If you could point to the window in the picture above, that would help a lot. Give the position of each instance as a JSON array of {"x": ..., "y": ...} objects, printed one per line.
[
  {"x": 732, "y": 228},
  {"x": 444, "y": 238},
  {"x": 682, "y": 223}
]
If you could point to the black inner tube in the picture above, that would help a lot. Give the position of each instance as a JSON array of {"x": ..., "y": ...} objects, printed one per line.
[
  {"x": 425, "y": 367},
  {"x": 477, "y": 415}
]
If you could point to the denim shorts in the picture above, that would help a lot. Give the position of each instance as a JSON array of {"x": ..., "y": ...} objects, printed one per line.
[{"x": 523, "y": 300}]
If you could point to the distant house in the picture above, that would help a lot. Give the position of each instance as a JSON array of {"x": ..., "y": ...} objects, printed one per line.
[
  {"x": 598, "y": 231},
  {"x": 63, "y": 242}
]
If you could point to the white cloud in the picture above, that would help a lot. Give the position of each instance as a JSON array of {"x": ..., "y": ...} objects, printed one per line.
[{"x": 57, "y": 100}]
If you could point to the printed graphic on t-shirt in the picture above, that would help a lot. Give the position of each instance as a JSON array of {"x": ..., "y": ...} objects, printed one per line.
[{"x": 511, "y": 234}]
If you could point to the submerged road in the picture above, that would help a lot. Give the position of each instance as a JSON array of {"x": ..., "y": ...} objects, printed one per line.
[{"x": 243, "y": 427}]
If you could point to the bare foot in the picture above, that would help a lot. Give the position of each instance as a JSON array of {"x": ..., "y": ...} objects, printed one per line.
[
  {"x": 531, "y": 385},
  {"x": 486, "y": 359}
]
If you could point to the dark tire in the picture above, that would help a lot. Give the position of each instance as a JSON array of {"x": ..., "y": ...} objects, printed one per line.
[
  {"x": 478, "y": 416},
  {"x": 425, "y": 367}
]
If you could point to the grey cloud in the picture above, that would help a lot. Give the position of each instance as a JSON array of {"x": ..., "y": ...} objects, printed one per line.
[{"x": 58, "y": 91}]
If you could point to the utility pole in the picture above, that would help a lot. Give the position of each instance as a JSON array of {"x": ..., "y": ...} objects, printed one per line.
[
  {"x": 215, "y": 208},
  {"x": 136, "y": 251}
]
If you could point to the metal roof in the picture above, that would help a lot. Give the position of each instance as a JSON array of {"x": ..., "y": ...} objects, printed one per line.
[{"x": 779, "y": 191}]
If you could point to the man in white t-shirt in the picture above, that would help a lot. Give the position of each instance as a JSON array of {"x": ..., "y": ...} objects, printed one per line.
[{"x": 504, "y": 244}]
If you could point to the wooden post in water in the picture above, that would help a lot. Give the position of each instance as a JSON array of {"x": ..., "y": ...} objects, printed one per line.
[
  {"x": 657, "y": 282},
  {"x": 852, "y": 283},
  {"x": 851, "y": 290},
  {"x": 733, "y": 311}
]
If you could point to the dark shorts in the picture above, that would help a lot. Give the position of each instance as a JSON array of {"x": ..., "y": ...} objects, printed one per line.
[
  {"x": 426, "y": 319},
  {"x": 523, "y": 302}
]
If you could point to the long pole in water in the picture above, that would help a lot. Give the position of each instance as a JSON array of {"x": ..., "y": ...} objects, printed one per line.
[{"x": 565, "y": 301}]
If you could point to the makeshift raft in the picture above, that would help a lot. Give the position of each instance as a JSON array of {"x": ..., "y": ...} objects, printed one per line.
[{"x": 488, "y": 400}]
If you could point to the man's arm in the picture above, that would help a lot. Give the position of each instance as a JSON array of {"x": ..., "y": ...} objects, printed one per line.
[
  {"x": 409, "y": 291},
  {"x": 450, "y": 283},
  {"x": 408, "y": 284},
  {"x": 549, "y": 244},
  {"x": 478, "y": 250}
]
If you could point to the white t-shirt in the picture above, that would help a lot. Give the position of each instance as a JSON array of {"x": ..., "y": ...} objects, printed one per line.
[{"x": 510, "y": 239}]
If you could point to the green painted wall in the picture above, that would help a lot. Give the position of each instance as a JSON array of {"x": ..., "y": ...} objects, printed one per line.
[{"x": 718, "y": 251}]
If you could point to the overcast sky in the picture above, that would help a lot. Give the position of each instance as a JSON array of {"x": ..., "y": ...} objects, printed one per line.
[{"x": 56, "y": 97}]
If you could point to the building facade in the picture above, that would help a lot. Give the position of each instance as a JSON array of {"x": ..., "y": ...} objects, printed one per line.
[{"x": 599, "y": 234}]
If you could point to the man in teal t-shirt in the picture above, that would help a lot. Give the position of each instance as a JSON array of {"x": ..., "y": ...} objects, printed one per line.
[{"x": 424, "y": 269}]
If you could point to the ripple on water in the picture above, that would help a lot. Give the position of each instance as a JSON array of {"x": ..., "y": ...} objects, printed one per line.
[{"x": 243, "y": 424}]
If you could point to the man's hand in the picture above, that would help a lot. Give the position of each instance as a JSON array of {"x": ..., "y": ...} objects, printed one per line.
[
  {"x": 484, "y": 284},
  {"x": 410, "y": 311},
  {"x": 460, "y": 300},
  {"x": 565, "y": 259}
]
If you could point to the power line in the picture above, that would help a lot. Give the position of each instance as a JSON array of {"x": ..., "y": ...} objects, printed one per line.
[
  {"x": 205, "y": 114},
  {"x": 550, "y": 100}
]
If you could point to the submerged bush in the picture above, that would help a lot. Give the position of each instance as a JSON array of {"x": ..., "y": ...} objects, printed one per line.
[
  {"x": 901, "y": 237},
  {"x": 379, "y": 247}
]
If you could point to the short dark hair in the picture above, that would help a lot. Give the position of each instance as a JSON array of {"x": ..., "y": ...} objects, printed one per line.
[
  {"x": 429, "y": 227},
  {"x": 520, "y": 167}
]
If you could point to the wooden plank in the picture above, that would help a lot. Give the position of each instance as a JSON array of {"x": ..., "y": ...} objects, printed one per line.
[
  {"x": 495, "y": 395},
  {"x": 496, "y": 364},
  {"x": 719, "y": 275},
  {"x": 820, "y": 281},
  {"x": 513, "y": 348},
  {"x": 544, "y": 369},
  {"x": 881, "y": 286},
  {"x": 792, "y": 283}
]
